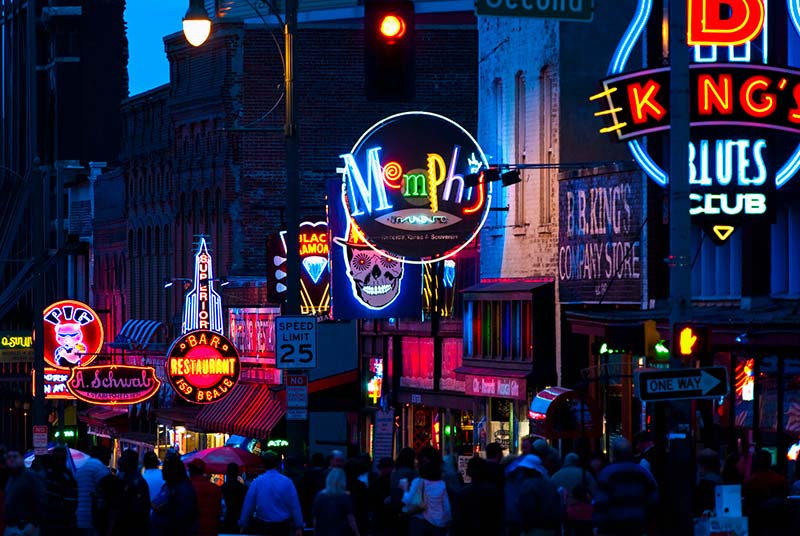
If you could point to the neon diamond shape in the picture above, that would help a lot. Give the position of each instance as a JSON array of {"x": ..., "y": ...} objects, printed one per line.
[{"x": 315, "y": 267}]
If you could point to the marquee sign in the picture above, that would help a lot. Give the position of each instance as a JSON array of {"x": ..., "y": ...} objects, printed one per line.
[
  {"x": 113, "y": 384},
  {"x": 202, "y": 308},
  {"x": 744, "y": 115},
  {"x": 405, "y": 191},
  {"x": 73, "y": 334},
  {"x": 203, "y": 366}
]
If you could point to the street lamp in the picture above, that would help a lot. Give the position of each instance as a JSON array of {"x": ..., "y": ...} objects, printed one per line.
[
  {"x": 296, "y": 430},
  {"x": 196, "y": 23}
]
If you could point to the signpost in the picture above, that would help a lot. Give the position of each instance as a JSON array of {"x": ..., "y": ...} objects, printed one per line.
[
  {"x": 296, "y": 342},
  {"x": 297, "y": 391},
  {"x": 40, "y": 439},
  {"x": 681, "y": 384},
  {"x": 578, "y": 10}
]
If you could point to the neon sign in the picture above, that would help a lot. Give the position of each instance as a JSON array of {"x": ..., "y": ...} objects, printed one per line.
[
  {"x": 315, "y": 276},
  {"x": 733, "y": 177},
  {"x": 366, "y": 283},
  {"x": 202, "y": 307},
  {"x": 113, "y": 384},
  {"x": 55, "y": 384},
  {"x": 73, "y": 334},
  {"x": 375, "y": 383},
  {"x": 404, "y": 187},
  {"x": 202, "y": 366}
]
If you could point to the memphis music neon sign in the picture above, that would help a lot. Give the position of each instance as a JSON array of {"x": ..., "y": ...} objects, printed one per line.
[
  {"x": 405, "y": 189},
  {"x": 732, "y": 167}
]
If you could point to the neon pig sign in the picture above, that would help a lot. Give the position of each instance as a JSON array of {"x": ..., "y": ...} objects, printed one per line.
[
  {"x": 73, "y": 334},
  {"x": 404, "y": 187},
  {"x": 744, "y": 116}
]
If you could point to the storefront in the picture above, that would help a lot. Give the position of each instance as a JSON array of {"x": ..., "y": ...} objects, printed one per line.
[{"x": 509, "y": 354}]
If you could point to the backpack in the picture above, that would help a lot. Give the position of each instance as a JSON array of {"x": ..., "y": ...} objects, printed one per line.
[{"x": 539, "y": 504}]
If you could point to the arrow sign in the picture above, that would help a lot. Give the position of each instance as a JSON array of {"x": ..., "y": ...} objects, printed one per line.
[{"x": 707, "y": 382}]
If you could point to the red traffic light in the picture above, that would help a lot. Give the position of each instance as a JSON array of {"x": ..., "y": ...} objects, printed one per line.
[{"x": 392, "y": 27}]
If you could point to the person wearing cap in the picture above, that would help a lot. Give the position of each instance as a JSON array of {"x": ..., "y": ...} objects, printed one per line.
[
  {"x": 209, "y": 498},
  {"x": 271, "y": 506}
]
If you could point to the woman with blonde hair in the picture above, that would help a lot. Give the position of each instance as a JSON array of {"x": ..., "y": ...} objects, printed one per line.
[{"x": 333, "y": 508}]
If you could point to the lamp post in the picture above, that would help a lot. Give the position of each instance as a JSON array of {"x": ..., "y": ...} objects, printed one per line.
[{"x": 197, "y": 19}]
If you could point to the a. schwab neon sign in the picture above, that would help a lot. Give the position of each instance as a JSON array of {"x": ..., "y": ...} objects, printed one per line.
[
  {"x": 732, "y": 171},
  {"x": 405, "y": 190}
]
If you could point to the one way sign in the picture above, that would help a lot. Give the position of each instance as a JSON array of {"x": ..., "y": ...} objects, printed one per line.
[{"x": 707, "y": 382}]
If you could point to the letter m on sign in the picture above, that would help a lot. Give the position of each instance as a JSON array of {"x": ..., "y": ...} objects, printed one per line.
[{"x": 359, "y": 189}]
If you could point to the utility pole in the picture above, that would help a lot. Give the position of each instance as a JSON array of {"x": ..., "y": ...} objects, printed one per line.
[
  {"x": 296, "y": 430},
  {"x": 681, "y": 453},
  {"x": 35, "y": 204}
]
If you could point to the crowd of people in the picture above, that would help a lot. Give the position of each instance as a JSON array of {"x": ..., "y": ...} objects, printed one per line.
[{"x": 536, "y": 493}]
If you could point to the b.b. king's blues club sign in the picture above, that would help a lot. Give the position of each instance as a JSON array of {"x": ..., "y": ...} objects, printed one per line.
[{"x": 744, "y": 110}]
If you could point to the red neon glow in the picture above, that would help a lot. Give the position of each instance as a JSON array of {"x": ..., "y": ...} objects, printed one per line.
[
  {"x": 644, "y": 103},
  {"x": 73, "y": 334},
  {"x": 707, "y": 27},
  {"x": 393, "y": 175},
  {"x": 715, "y": 94},
  {"x": 393, "y": 27},
  {"x": 203, "y": 366},
  {"x": 113, "y": 384},
  {"x": 480, "y": 200},
  {"x": 757, "y": 108}
]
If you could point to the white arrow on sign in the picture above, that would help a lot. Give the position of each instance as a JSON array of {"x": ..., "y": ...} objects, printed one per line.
[
  {"x": 704, "y": 383},
  {"x": 708, "y": 381}
]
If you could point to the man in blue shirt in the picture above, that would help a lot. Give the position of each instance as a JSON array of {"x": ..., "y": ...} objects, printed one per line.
[{"x": 271, "y": 506}]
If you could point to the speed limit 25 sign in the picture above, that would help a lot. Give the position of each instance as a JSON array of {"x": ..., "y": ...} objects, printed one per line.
[{"x": 296, "y": 338}]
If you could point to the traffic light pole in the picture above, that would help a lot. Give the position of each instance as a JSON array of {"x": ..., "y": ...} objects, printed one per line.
[
  {"x": 296, "y": 430},
  {"x": 681, "y": 455}
]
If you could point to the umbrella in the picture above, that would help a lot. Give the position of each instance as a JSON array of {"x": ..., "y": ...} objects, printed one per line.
[
  {"x": 75, "y": 461},
  {"x": 218, "y": 458}
]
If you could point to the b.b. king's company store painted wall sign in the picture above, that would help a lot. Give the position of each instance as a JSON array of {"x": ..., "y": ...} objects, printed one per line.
[
  {"x": 405, "y": 190},
  {"x": 203, "y": 366},
  {"x": 744, "y": 115}
]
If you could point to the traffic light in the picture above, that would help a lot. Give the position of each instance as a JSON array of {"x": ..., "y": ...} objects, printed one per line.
[
  {"x": 389, "y": 50},
  {"x": 689, "y": 341}
]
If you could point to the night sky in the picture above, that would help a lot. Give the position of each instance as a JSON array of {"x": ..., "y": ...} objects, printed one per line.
[{"x": 148, "y": 22}]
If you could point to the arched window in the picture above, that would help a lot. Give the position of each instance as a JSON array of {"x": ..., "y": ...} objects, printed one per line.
[
  {"x": 520, "y": 135},
  {"x": 546, "y": 145}
]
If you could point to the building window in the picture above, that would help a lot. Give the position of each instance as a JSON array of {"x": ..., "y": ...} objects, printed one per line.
[
  {"x": 520, "y": 113},
  {"x": 546, "y": 151},
  {"x": 498, "y": 194},
  {"x": 716, "y": 270},
  {"x": 498, "y": 330},
  {"x": 417, "y": 362},
  {"x": 785, "y": 253}
]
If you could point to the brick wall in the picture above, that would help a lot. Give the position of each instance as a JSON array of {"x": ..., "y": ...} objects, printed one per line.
[{"x": 199, "y": 157}]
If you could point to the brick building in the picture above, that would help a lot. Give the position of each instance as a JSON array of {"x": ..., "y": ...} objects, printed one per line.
[{"x": 204, "y": 155}]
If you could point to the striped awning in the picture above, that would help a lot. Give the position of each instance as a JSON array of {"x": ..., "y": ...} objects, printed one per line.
[
  {"x": 136, "y": 334},
  {"x": 251, "y": 410}
]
